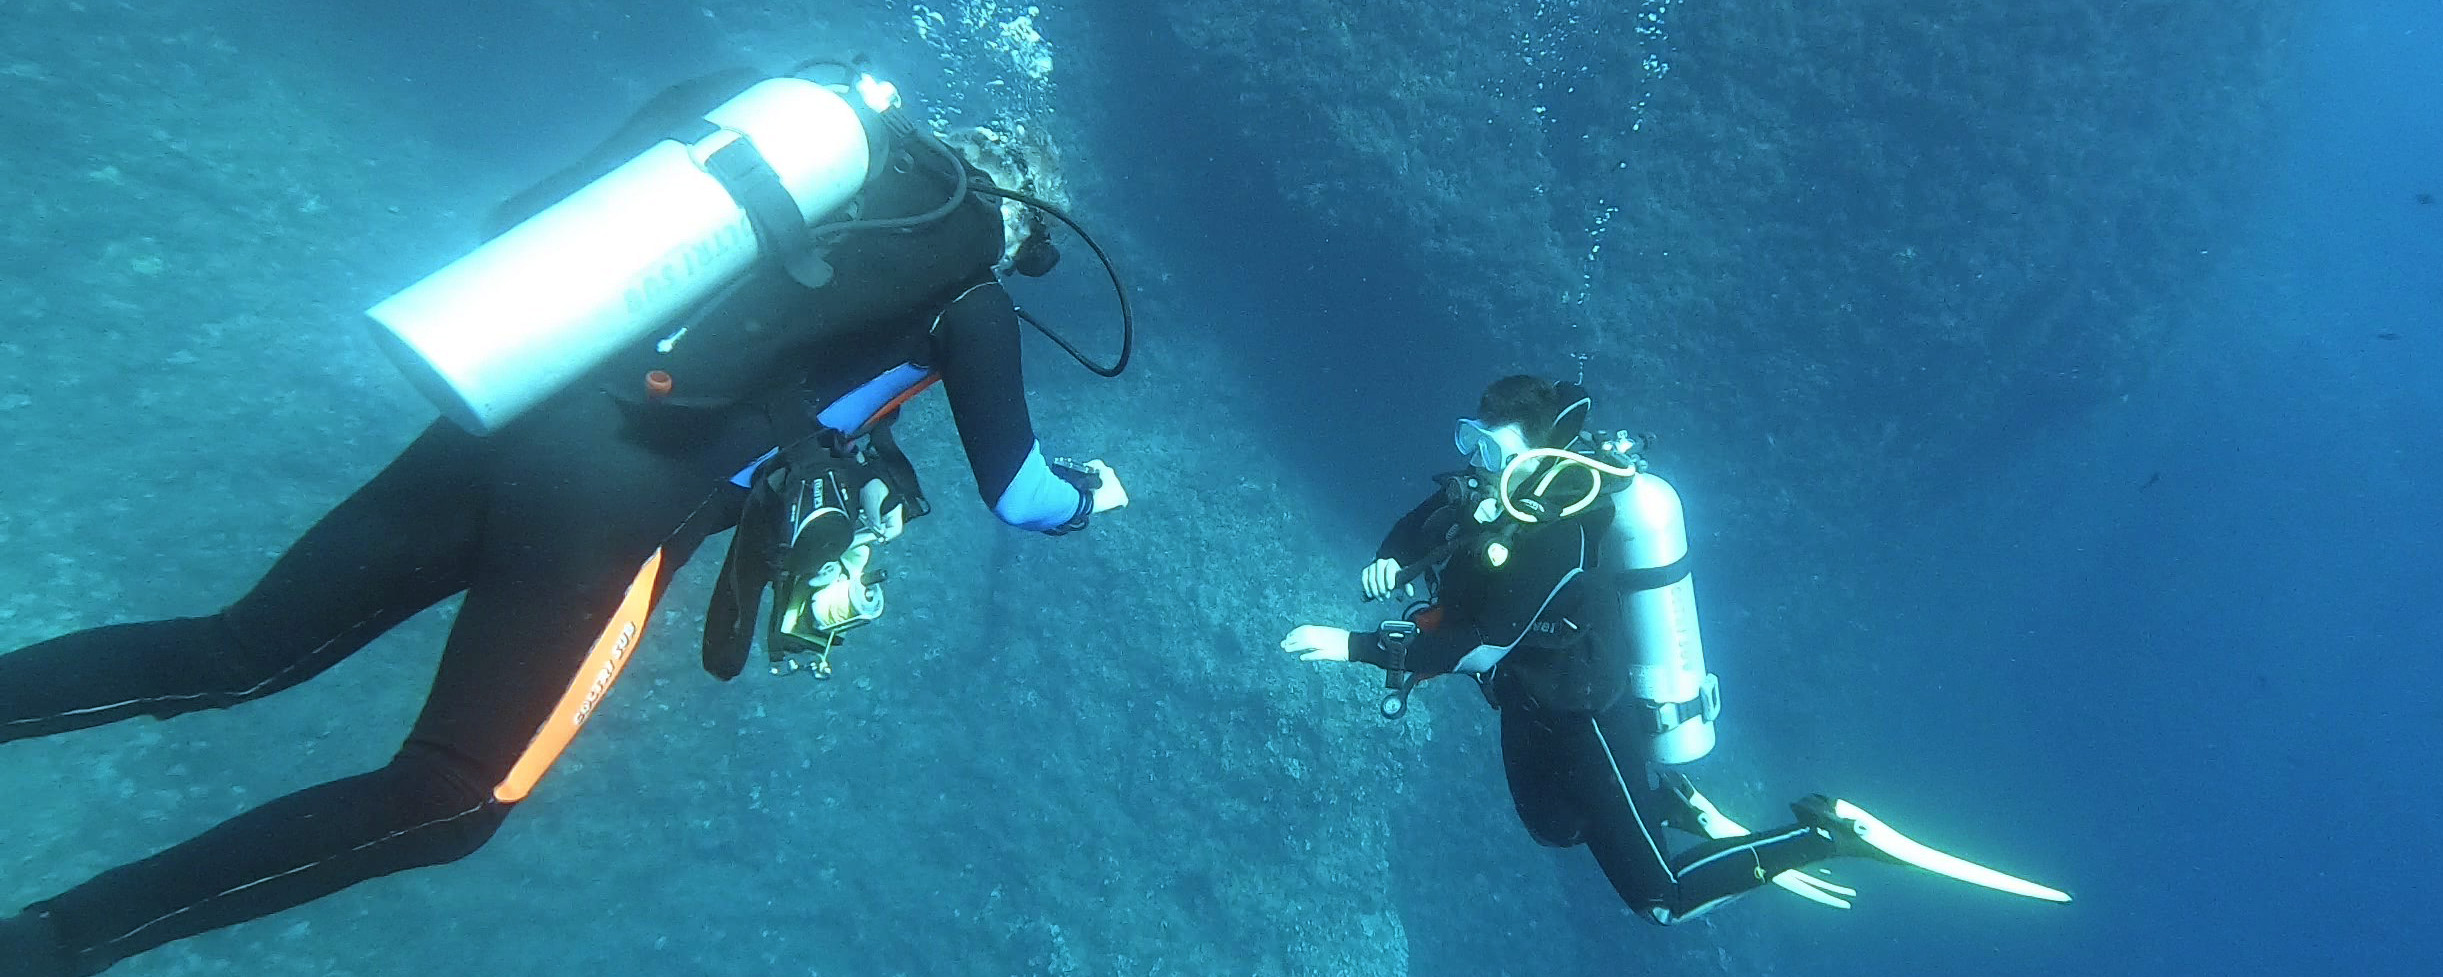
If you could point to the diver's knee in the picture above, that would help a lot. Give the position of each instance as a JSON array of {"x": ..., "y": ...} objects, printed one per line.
[
  {"x": 450, "y": 797},
  {"x": 241, "y": 669},
  {"x": 1658, "y": 914},
  {"x": 196, "y": 662},
  {"x": 1555, "y": 835},
  {"x": 1553, "y": 820}
]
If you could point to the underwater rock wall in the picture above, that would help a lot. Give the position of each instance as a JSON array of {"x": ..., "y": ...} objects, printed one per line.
[
  {"x": 189, "y": 236},
  {"x": 1960, "y": 219}
]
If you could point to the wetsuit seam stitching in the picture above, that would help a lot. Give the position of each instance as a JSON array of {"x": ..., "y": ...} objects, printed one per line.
[
  {"x": 240, "y": 694},
  {"x": 698, "y": 509},
  {"x": 690, "y": 517},
  {"x": 1628, "y": 797},
  {"x": 233, "y": 890},
  {"x": 936, "y": 328},
  {"x": 1749, "y": 848}
]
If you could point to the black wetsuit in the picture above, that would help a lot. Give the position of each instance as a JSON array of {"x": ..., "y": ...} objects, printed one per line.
[
  {"x": 542, "y": 525},
  {"x": 1532, "y": 631}
]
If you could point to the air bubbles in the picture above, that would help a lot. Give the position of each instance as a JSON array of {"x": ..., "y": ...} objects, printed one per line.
[{"x": 999, "y": 64}]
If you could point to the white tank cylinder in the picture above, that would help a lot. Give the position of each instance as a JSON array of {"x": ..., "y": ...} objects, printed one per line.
[
  {"x": 1659, "y": 623},
  {"x": 517, "y": 319}
]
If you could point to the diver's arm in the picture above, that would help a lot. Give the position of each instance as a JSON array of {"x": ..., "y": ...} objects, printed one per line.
[
  {"x": 1429, "y": 653},
  {"x": 975, "y": 343},
  {"x": 1406, "y": 541},
  {"x": 1543, "y": 580}
]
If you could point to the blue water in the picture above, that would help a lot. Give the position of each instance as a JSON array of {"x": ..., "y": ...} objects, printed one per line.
[
  {"x": 2193, "y": 637},
  {"x": 2170, "y": 647},
  {"x": 2190, "y": 640}
]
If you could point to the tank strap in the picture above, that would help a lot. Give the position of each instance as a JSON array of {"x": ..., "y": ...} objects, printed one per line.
[
  {"x": 1663, "y": 717},
  {"x": 1652, "y": 578},
  {"x": 748, "y": 177}
]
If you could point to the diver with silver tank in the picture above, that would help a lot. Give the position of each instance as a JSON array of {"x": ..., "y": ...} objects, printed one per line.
[
  {"x": 709, "y": 321},
  {"x": 1557, "y": 576}
]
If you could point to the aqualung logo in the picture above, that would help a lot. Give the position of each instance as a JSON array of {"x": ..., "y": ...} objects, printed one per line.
[
  {"x": 608, "y": 671},
  {"x": 686, "y": 264}
]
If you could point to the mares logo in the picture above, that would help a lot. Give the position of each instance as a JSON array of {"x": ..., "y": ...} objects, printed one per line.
[
  {"x": 607, "y": 673},
  {"x": 680, "y": 269}
]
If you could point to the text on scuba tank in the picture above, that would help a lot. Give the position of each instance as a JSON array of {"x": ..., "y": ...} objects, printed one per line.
[
  {"x": 685, "y": 264},
  {"x": 608, "y": 671}
]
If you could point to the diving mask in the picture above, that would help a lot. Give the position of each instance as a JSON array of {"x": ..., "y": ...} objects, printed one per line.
[{"x": 1489, "y": 448}]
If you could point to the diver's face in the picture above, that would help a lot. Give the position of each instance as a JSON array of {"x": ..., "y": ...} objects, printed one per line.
[{"x": 1488, "y": 448}]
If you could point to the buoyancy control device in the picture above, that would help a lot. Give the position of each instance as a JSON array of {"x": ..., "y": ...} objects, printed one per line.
[{"x": 1647, "y": 611}]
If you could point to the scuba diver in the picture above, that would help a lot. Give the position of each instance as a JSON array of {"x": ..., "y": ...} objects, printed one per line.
[
  {"x": 1557, "y": 573},
  {"x": 709, "y": 321}
]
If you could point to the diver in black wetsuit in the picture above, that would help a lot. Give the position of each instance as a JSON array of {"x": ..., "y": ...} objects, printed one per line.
[
  {"x": 543, "y": 525},
  {"x": 1566, "y": 597}
]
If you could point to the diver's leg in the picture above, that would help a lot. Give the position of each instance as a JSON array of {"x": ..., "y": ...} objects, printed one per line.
[
  {"x": 1537, "y": 767},
  {"x": 1718, "y": 871},
  {"x": 398, "y": 545},
  {"x": 1627, "y": 810},
  {"x": 1624, "y": 817},
  {"x": 420, "y": 809},
  {"x": 564, "y": 545},
  {"x": 30, "y": 947}
]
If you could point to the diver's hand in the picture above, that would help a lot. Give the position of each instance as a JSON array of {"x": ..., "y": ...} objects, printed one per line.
[
  {"x": 1317, "y": 643},
  {"x": 1108, "y": 493},
  {"x": 1380, "y": 576}
]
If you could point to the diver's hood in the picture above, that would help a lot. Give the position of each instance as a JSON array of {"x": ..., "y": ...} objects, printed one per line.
[{"x": 1571, "y": 420}]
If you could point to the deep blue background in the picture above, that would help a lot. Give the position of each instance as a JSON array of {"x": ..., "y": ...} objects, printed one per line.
[{"x": 2195, "y": 637}]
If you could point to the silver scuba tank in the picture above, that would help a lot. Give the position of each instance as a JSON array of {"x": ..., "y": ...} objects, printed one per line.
[
  {"x": 512, "y": 322},
  {"x": 1654, "y": 622}
]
